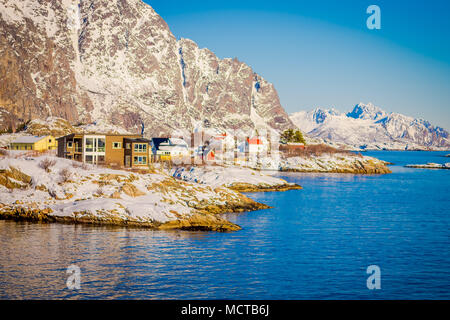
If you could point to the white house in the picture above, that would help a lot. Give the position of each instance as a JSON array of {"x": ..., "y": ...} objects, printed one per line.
[
  {"x": 166, "y": 148},
  {"x": 254, "y": 146}
]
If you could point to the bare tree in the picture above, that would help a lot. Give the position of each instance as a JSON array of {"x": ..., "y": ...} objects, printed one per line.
[
  {"x": 65, "y": 175},
  {"x": 47, "y": 163}
]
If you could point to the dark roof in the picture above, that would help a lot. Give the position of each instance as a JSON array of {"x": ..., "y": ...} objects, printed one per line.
[
  {"x": 69, "y": 136},
  {"x": 137, "y": 140},
  {"x": 157, "y": 141}
]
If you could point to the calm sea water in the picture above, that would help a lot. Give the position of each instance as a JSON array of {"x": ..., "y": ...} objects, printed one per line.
[{"x": 315, "y": 244}]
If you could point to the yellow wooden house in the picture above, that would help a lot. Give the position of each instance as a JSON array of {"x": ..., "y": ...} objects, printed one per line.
[{"x": 36, "y": 143}]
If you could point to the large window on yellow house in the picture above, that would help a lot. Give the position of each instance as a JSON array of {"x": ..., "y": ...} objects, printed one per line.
[
  {"x": 140, "y": 147},
  {"x": 139, "y": 160}
]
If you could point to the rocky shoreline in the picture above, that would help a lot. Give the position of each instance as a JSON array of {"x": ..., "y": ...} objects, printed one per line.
[
  {"x": 351, "y": 165},
  {"x": 429, "y": 166},
  {"x": 186, "y": 198},
  {"x": 205, "y": 218},
  {"x": 201, "y": 221},
  {"x": 343, "y": 170},
  {"x": 67, "y": 193},
  {"x": 247, "y": 187}
]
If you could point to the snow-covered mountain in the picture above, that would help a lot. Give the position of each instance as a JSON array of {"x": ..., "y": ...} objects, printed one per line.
[
  {"x": 369, "y": 127},
  {"x": 116, "y": 62}
]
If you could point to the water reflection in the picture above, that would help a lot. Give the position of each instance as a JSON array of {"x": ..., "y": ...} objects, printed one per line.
[{"x": 314, "y": 243}]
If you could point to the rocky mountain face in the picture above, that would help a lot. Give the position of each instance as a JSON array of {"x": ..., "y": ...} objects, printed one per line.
[
  {"x": 369, "y": 127},
  {"x": 116, "y": 62}
]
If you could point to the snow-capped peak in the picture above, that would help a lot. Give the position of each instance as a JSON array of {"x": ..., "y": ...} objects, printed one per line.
[
  {"x": 320, "y": 115},
  {"x": 366, "y": 111}
]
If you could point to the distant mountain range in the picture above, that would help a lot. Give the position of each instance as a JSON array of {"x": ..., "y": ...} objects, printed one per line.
[{"x": 369, "y": 127}]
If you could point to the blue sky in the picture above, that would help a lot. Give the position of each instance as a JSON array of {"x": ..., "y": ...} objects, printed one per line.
[{"x": 320, "y": 53}]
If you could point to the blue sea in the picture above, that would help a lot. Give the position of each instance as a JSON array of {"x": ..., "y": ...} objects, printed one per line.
[{"x": 315, "y": 243}]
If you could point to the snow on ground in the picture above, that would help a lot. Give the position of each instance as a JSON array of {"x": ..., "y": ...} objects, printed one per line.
[
  {"x": 96, "y": 190},
  {"x": 52, "y": 125},
  {"x": 258, "y": 172},
  {"x": 102, "y": 127},
  {"x": 7, "y": 138},
  {"x": 322, "y": 163},
  {"x": 217, "y": 176},
  {"x": 59, "y": 127}
]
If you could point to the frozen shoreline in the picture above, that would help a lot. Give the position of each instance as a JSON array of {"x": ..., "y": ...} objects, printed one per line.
[
  {"x": 71, "y": 192},
  {"x": 429, "y": 166}
]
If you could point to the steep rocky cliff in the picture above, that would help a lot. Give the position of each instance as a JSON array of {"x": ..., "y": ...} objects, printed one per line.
[{"x": 117, "y": 62}]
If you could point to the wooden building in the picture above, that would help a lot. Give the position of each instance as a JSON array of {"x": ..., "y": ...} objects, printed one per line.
[
  {"x": 42, "y": 143},
  {"x": 167, "y": 149},
  {"x": 292, "y": 149},
  {"x": 110, "y": 149}
]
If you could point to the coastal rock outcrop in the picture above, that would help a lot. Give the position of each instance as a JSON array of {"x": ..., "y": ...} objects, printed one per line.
[
  {"x": 429, "y": 166},
  {"x": 336, "y": 163},
  {"x": 31, "y": 191}
]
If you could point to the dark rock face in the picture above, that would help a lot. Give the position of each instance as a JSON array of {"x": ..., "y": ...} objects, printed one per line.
[
  {"x": 117, "y": 62},
  {"x": 36, "y": 77}
]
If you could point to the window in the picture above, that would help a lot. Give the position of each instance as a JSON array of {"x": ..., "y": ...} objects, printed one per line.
[
  {"x": 117, "y": 145},
  {"x": 95, "y": 145},
  {"x": 139, "y": 160},
  {"x": 89, "y": 144},
  {"x": 140, "y": 147},
  {"x": 100, "y": 159},
  {"x": 101, "y": 145},
  {"x": 89, "y": 159},
  {"x": 69, "y": 144},
  {"x": 49, "y": 140}
]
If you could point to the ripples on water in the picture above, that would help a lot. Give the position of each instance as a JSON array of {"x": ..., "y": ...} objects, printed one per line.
[{"x": 315, "y": 244}]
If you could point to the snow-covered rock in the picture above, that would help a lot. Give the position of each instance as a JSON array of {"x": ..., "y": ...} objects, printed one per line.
[
  {"x": 70, "y": 191},
  {"x": 335, "y": 163},
  {"x": 217, "y": 176},
  {"x": 429, "y": 166},
  {"x": 117, "y": 63}
]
